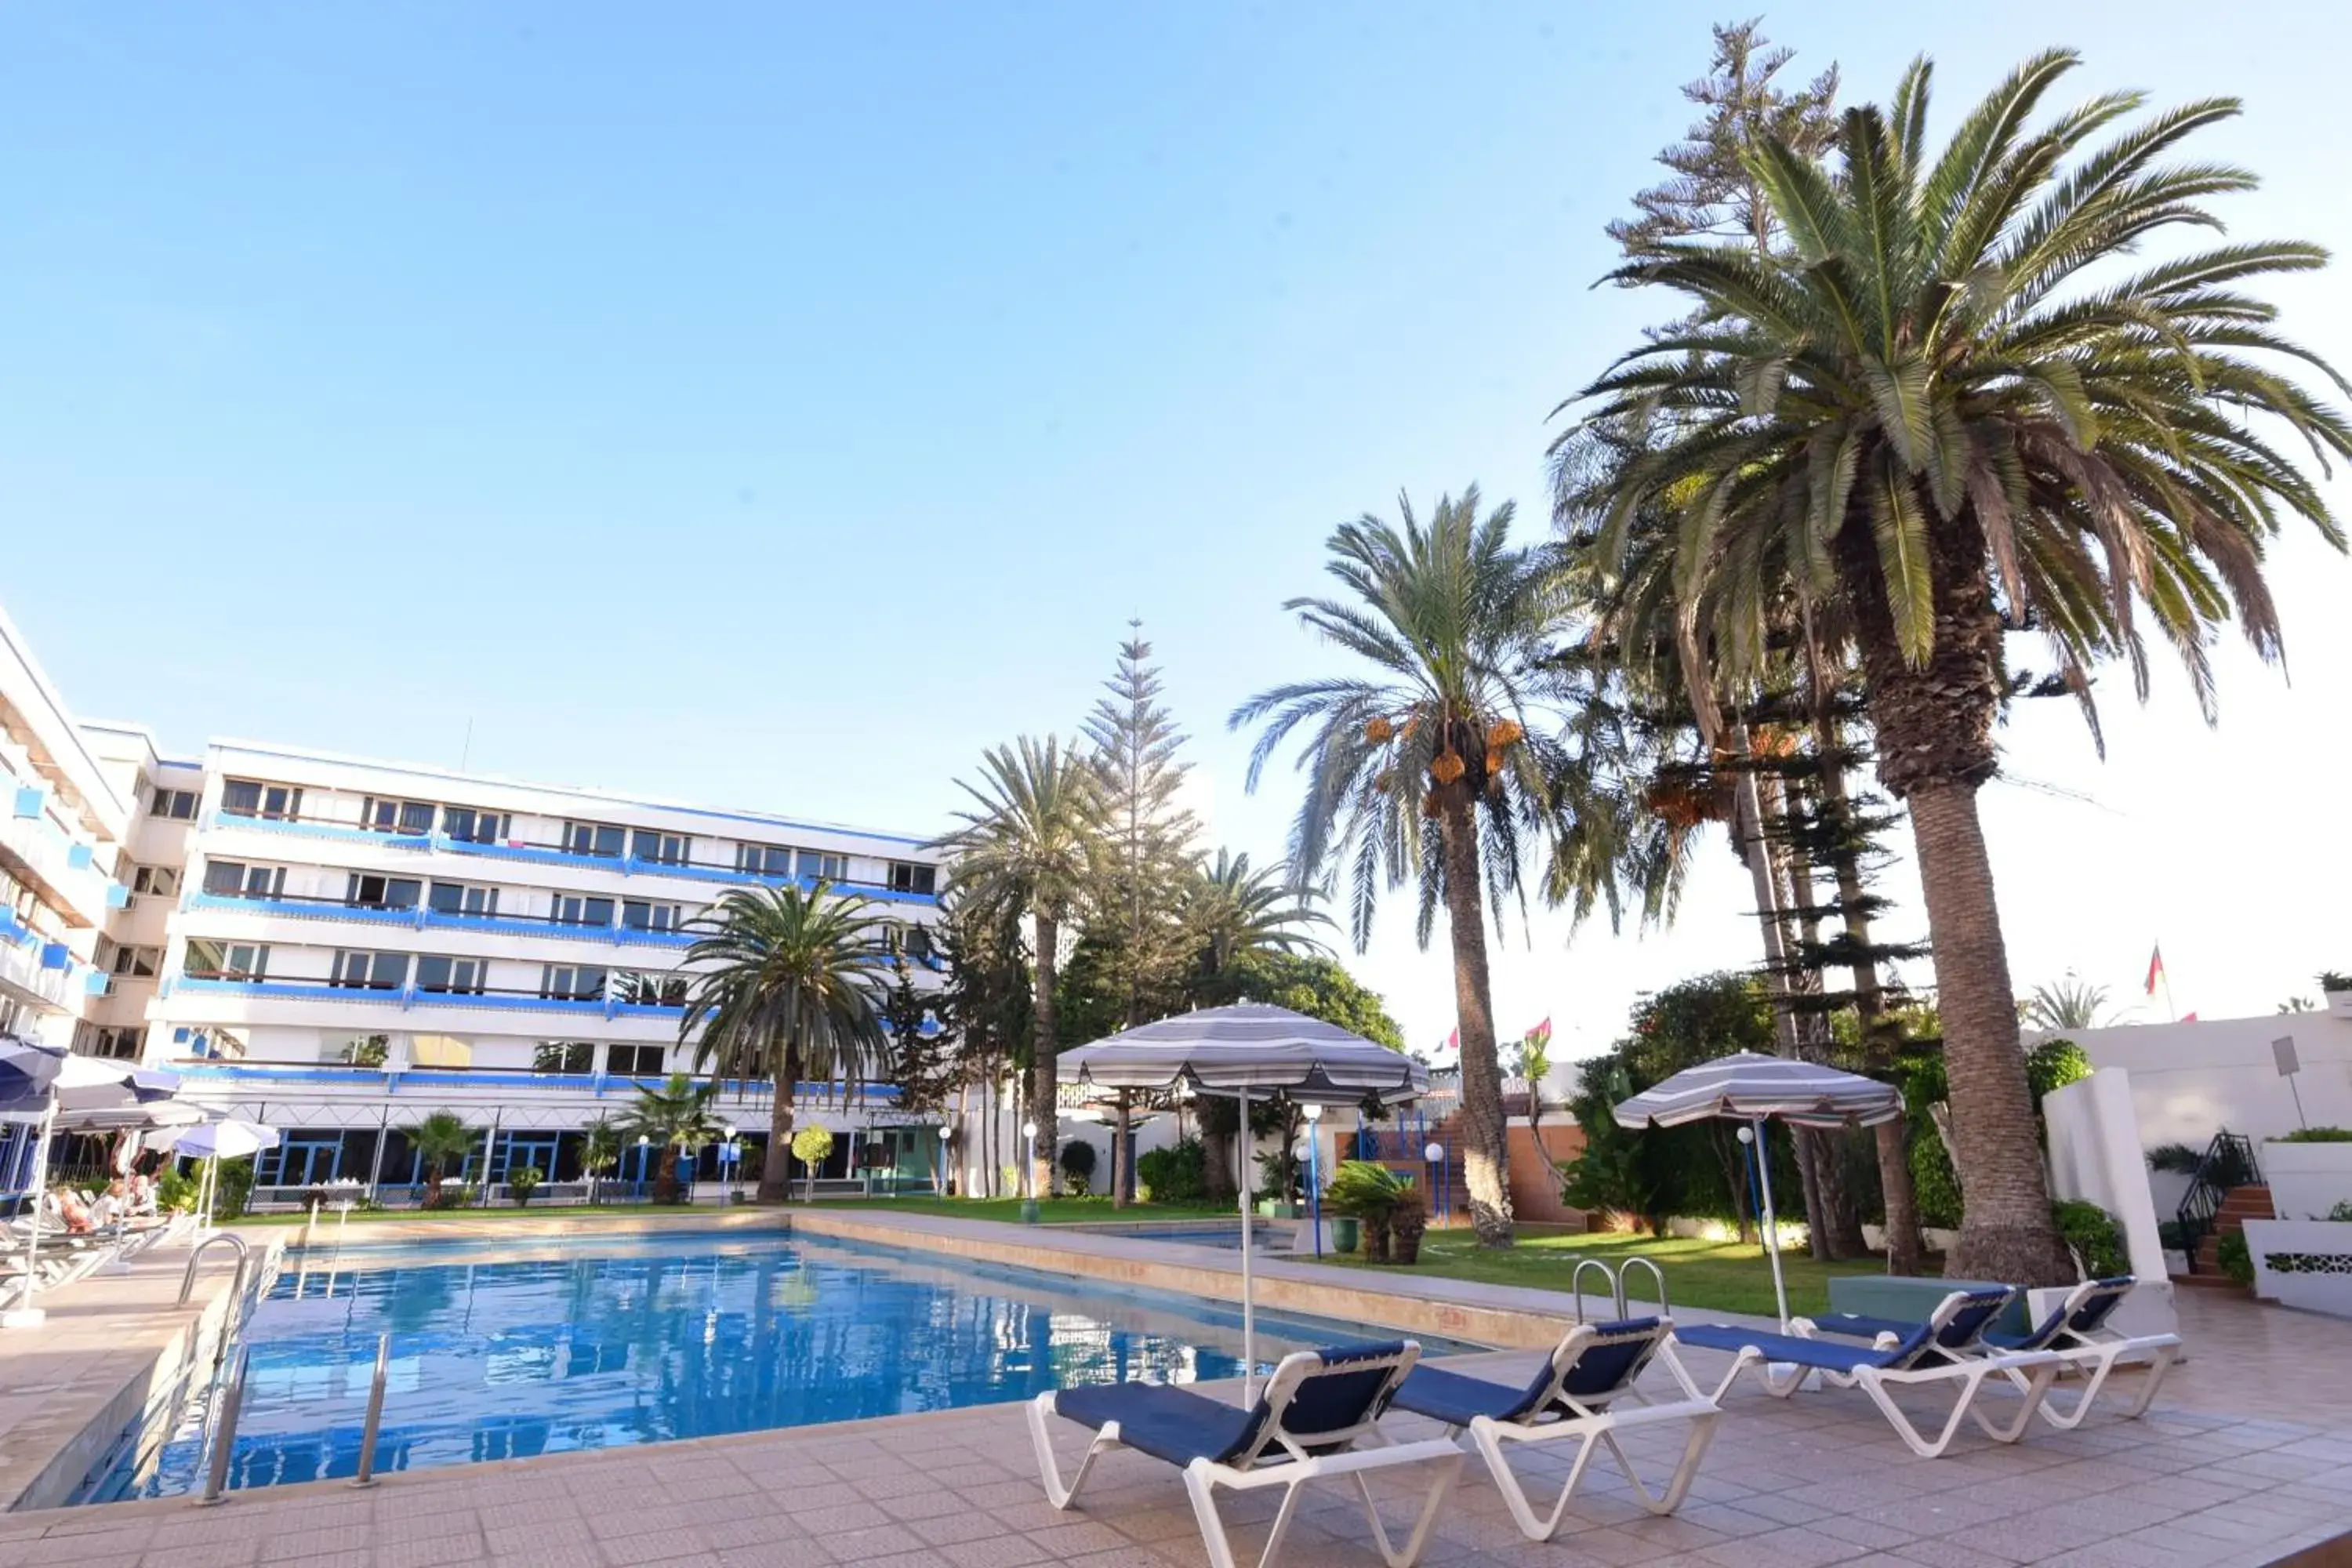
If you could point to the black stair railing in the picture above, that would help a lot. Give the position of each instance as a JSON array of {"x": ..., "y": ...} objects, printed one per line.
[{"x": 2227, "y": 1163}]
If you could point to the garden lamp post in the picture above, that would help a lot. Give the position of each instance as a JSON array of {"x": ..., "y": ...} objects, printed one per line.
[
  {"x": 1029, "y": 1175},
  {"x": 947, "y": 1136},
  {"x": 1435, "y": 1154},
  {"x": 644, "y": 1141},
  {"x": 729, "y": 1153},
  {"x": 1313, "y": 1114}
]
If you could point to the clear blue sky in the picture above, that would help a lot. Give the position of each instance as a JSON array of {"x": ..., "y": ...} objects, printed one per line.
[{"x": 774, "y": 406}]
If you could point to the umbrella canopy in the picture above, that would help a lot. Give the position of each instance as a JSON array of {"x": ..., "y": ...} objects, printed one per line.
[
  {"x": 229, "y": 1140},
  {"x": 1245, "y": 1050},
  {"x": 1251, "y": 1048},
  {"x": 1750, "y": 1085},
  {"x": 27, "y": 1067},
  {"x": 161, "y": 1113}
]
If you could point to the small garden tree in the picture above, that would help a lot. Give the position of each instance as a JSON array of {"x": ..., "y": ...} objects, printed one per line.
[{"x": 812, "y": 1146}]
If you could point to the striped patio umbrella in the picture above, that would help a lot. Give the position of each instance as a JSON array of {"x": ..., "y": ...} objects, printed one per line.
[
  {"x": 1243, "y": 1050},
  {"x": 1751, "y": 1087}
]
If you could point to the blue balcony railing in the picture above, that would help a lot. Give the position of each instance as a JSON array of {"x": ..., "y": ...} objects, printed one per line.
[
  {"x": 407, "y": 997},
  {"x": 546, "y": 855},
  {"x": 423, "y": 917},
  {"x": 757, "y": 1092}
]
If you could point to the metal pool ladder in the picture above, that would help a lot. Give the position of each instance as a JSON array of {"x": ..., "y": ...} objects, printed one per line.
[{"x": 1614, "y": 1291}]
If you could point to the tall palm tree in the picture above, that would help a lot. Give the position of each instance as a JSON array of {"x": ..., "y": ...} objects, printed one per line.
[
  {"x": 1233, "y": 908},
  {"x": 1030, "y": 846},
  {"x": 786, "y": 985},
  {"x": 675, "y": 1118},
  {"x": 1949, "y": 409},
  {"x": 2072, "y": 1002},
  {"x": 1424, "y": 769}
]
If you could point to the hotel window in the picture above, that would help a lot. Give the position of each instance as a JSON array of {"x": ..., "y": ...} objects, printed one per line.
[
  {"x": 662, "y": 848},
  {"x": 598, "y": 838},
  {"x": 634, "y": 1061},
  {"x": 908, "y": 878},
  {"x": 650, "y": 990},
  {"x": 458, "y": 899},
  {"x": 139, "y": 963},
  {"x": 638, "y": 914},
  {"x": 571, "y": 982},
  {"x": 226, "y": 961},
  {"x": 179, "y": 805},
  {"x": 564, "y": 1056},
  {"x": 117, "y": 1043},
  {"x": 244, "y": 798},
  {"x": 410, "y": 817},
  {"x": 155, "y": 882},
  {"x": 370, "y": 971},
  {"x": 439, "y": 1051},
  {"x": 764, "y": 860},
  {"x": 235, "y": 879},
  {"x": 467, "y": 825},
  {"x": 914, "y": 940},
  {"x": 576, "y": 909},
  {"x": 374, "y": 893},
  {"x": 825, "y": 864},
  {"x": 458, "y": 976}
]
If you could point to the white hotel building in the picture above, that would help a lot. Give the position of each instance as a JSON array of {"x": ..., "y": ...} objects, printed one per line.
[{"x": 339, "y": 947}]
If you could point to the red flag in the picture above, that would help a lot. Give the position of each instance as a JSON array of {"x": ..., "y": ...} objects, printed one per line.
[
  {"x": 1542, "y": 1033},
  {"x": 2154, "y": 968},
  {"x": 1454, "y": 1041},
  {"x": 2188, "y": 1018}
]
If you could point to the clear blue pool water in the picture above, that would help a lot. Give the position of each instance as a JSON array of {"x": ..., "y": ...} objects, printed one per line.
[{"x": 498, "y": 1357}]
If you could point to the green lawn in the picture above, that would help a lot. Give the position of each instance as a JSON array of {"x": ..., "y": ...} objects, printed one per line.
[{"x": 1724, "y": 1275}]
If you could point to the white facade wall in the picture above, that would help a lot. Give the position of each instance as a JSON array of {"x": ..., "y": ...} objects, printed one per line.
[{"x": 62, "y": 826}]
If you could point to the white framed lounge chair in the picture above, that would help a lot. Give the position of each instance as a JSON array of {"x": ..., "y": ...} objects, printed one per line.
[
  {"x": 1784, "y": 1362},
  {"x": 2075, "y": 1330},
  {"x": 1573, "y": 1397},
  {"x": 1307, "y": 1426}
]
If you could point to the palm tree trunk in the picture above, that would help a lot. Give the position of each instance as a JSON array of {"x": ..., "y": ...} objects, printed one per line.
[
  {"x": 1044, "y": 1067},
  {"x": 2007, "y": 1232},
  {"x": 776, "y": 1169},
  {"x": 1485, "y": 1153},
  {"x": 1121, "y": 1152}
]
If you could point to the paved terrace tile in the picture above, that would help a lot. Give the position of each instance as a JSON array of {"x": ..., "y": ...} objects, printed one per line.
[{"x": 2221, "y": 1473}]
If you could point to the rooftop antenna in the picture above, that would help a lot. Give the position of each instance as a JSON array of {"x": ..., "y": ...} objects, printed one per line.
[{"x": 466, "y": 753}]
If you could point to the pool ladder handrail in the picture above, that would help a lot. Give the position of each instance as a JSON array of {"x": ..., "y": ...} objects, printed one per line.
[{"x": 1616, "y": 1287}]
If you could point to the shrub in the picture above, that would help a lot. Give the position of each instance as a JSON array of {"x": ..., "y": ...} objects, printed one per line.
[
  {"x": 1176, "y": 1174},
  {"x": 1362, "y": 1190},
  {"x": 2094, "y": 1237},
  {"x": 175, "y": 1194},
  {"x": 2317, "y": 1135},
  {"x": 524, "y": 1183},
  {"x": 232, "y": 1189},
  {"x": 1932, "y": 1179},
  {"x": 2172, "y": 1235},
  {"x": 2237, "y": 1262},
  {"x": 1078, "y": 1166},
  {"x": 2176, "y": 1159},
  {"x": 2329, "y": 980},
  {"x": 812, "y": 1145},
  {"x": 2342, "y": 1212}
]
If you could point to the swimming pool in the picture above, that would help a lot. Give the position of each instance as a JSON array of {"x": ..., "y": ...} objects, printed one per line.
[{"x": 496, "y": 1356}]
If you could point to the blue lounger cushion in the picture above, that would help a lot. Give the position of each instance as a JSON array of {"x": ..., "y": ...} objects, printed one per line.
[
  {"x": 1822, "y": 1354},
  {"x": 1178, "y": 1425},
  {"x": 1862, "y": 1325},
  {"x": 1171, "y": 1424},
  {"x": 2098, "y": 1302},
  {"x": 1599, "y": 1372}
]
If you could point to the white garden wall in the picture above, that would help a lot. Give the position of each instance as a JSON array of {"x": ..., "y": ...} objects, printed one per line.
[
  {"x": 2307, "y": 1180},
  {"x": 2321, "y": 1282},
  {"x": 2096, "y": 1155}
]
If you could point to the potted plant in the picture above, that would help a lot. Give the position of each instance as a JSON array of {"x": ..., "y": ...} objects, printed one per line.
[
  {"x": 524, "y": 1183},
  {"x": 1406, "y": 1222},
  {"x": 1346, "y": 1232},
  {"x": 1366, "y": 1193},
  {"x": 1077, "y": 1167}
]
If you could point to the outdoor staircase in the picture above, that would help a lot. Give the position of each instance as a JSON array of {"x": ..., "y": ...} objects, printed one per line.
[{"x": 2238, "y": 1206}]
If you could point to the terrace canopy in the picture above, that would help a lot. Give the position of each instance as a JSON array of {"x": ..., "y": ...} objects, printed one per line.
[
  {"x": 1245, "y": 1050},
  {"x": 1749, "y": 1086}
]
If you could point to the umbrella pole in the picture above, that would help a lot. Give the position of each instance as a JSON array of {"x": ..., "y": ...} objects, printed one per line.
[
  {"x": 1249, "y": 1304},
  {"x": 24, "y": 1315},
  {"x": 1772, "y": 1225}
]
